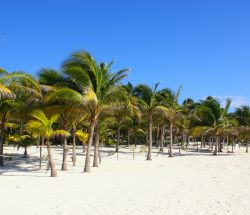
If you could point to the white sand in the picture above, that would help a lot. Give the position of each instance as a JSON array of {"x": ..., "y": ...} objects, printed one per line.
[{"x": 196, "y": 183}]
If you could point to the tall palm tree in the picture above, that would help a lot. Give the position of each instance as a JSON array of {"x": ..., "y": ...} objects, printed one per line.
[
  {"x": 97, "y": 89},
  {"x": 43, "y": 126},
  {"x": 148, "y": 104},
  {"x": 58, "y": 80}
]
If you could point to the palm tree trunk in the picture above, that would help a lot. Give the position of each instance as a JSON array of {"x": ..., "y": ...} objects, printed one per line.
[
  {"x": 227, "y": 144},
  {"x": 187, "y": 141},
  {"x": 90, "y": 141},
  {"x": 162, "y": 138},
  {"x": 157, "y": 135},
  {"x": 65, "y": 153},
  {"x": 171, "y": 141},
  {"x": 216, "y": 146},
  {"x": 128, "y": 138},
  {"x": 40, "y": 157},
  {"x": 38, "y": 141},
  {"x": 51, "y": 162},
  {"x": 42, "y": 141},
  {"x": 150, "y": 125},
  {"x": 1, "y": 144},
  {"x": 202, "y": 141},
  {"x": 118, "y": 139},
  {"x": 212, "y": 139},
  {"x": 21, "y": 128},
  {"x": 247, "y": 147},
  {"x": 25, "y": 155},
  {"x": 99, "y": 152},
  {"x": 96, "y": 150},
  {"x": 118, "y": 142},
  {"x": 74, "y": 147}
]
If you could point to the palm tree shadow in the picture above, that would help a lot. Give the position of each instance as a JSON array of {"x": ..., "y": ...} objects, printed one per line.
[
  {"x": 20, "y": 166},
  {"x": 201, "y": 152}
]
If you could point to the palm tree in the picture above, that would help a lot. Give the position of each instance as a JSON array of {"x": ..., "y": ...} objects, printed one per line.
[
  {"x": 76, "y": 119},
  {"x": 213, "y": 119},
  {"x": 11, "y": 85},
  {"x": 172, "y": 111},
  {"x": 243, "y": 116},
  {"x": 42, "y": 125},
  {"x": 58, "y": 80},
  {"x": 148, "y": 104},
  {"x": 97, "y": 89}
]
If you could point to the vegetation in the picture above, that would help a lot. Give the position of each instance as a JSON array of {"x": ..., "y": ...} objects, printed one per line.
[{"x": 86, "y": 103}]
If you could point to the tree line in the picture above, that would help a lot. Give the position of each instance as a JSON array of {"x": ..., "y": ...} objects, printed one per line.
[{"x": 86, "y": 103}]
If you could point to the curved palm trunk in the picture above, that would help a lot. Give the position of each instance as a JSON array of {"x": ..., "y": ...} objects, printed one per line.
[
  {"x": 216, "y": 146},
  {"x": 171, "y": 141},
  {"x": 150, "y": 125},
  {"x": 1, "y": 144},
  {"x": 51, "y": 162},
  {"x": 74, "y": 147},
  {"x": 162, "y": 138},
  {"x": 90, "y": 141},
  {"x": 96, "y": 150},
  {"x": 65, "y": 154}
]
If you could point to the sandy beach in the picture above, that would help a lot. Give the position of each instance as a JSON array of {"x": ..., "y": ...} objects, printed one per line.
[{"x": 193, "y": 183}]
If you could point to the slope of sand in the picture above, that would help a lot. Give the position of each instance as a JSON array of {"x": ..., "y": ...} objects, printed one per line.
[{"x": 194, "y": 183}]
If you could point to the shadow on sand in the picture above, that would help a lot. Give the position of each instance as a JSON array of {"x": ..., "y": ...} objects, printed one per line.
[{"x": 19, "y": 164}]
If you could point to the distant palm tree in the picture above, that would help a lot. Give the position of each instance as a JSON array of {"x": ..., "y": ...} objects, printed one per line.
[
  {"x": 172, "y": 111},
  {"x": 243, "y": 116},
  {"x": 43, "y": 126},
  {"x": 148, "y": 104},
  {"x": 213, "y": 119}
]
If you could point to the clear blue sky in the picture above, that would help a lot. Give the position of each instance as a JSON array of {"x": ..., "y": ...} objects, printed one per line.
[{"x": 203, "y": 45}]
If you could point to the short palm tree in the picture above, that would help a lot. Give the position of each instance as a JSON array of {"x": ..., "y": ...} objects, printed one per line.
[
  {"x": 11, "y": 85},
  {"x": 42, "y": 125}
]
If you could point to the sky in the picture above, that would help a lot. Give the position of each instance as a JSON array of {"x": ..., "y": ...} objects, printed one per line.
[{"x": 203, "y": 45}]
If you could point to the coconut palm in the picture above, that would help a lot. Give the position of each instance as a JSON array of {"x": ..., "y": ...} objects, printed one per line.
[
  {"x": 42, "y": 125},
  {"x": 97, "y": 89},
  {"x": 11, "y": 85},
  {"x": 77, "y": 118},
  {"x": 242, "y": 114},
  {"x": 213, "y": 119},
  {"x": 24, "y": 140},
  {"x": 148, "y": 104},
  {"x": 172, "y": 112}
]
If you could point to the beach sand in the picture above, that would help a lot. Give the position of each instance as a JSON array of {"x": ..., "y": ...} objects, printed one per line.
[{"x": 193, "y": 183}]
